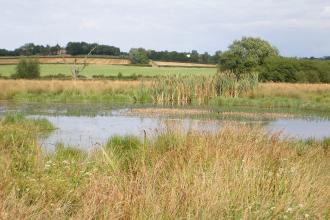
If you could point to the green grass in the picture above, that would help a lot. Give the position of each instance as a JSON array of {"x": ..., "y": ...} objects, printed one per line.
[
  {"x": 111, "y": 70},
  {"x": 41, "y": 125}
]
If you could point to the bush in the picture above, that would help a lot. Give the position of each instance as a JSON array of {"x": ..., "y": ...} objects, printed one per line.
[
  {"x": 282, "y": 69},
  {"x": 138, "y": 56},
  {"x": 27, "y": 69}
]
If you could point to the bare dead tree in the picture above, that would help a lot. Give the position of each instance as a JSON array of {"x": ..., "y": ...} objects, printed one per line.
[{"x": 76, "y": 67}]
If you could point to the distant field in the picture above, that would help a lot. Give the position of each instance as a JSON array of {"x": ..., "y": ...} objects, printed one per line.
[
  {"x": 178, "y": 64},
  {"x": 112, "y": 70},
  {"x": 63, "y": 60}
]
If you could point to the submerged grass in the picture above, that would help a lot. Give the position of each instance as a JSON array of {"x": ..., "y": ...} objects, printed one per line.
[{"x": 240, "y": 172}]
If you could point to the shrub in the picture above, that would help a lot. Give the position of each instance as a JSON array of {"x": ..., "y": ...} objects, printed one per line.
[
  {"x": 27, "y": 69},
  {"x": 138, "y": 56}
]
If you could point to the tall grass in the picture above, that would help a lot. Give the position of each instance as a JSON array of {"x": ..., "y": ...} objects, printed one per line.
[
  {"x": 238, "y": 173},
  {"x": 68, "y": 91},
  {"x": 181, "y": 90},
  {"x": 218, "y": 90}
]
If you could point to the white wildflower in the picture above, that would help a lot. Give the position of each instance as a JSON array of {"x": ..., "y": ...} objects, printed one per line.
[{"x": 289, "y": 210}]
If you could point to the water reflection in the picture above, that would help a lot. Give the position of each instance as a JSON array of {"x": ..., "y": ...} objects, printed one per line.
[{"x": 86, "y": 125}]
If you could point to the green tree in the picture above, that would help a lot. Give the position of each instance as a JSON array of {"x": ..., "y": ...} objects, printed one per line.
[
  {"x": 27, "y": 69},
  {"x": 138, "y": 56},
  {"x": 246, "y": 55}
]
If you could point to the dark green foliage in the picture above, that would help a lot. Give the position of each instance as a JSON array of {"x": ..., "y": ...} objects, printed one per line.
[
  {"x": 281, "y": 69},
  {"x": 190, "y": 57},
  {"x": 80, "y": 48},
  {"x": 27, "y": 69},
  {"x": 246, "y": 55},
  {"x": 138, "y": 56},
  {"x": 30, "y": 49}
]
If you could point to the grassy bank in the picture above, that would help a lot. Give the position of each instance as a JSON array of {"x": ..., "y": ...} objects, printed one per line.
[
  {"x": 265, "y": 95},
  {"x": 239, "y": 172},
  {"x": 112, "y": 70}
]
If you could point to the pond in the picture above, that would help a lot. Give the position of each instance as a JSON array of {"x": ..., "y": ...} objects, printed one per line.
[{"x": 90, "y": 125}]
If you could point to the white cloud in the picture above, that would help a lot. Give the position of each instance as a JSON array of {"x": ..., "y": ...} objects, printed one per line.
[
  {"x": 206, "y": 25},
  {"x": 326, "y": 10},
  {"x": 89, "y": 24}
]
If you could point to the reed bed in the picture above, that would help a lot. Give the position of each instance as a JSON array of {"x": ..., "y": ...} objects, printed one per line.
[
  {"x": 217, "y": 90},
  {"x": 182, "y": 90},
  {"x": 239, "y": 173}
]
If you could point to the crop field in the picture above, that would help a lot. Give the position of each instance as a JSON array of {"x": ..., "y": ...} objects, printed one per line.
[
  {"x": 113, "y": 70},
  {"x": 62, "y": 60}
]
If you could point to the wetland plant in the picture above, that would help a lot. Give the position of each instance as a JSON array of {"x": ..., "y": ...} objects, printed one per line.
[{"x": 182, "y": 90}]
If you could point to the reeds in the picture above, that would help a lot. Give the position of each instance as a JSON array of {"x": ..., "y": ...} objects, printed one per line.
[{"x": 182, "y": 90}]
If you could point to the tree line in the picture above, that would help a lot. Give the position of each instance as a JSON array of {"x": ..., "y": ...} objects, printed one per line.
[
  {"x": 245, "y": 56},
  {"x": 83, "y": 48},
  {"x": 72, "y": 48},
  {"x": 31, "y": 49}
]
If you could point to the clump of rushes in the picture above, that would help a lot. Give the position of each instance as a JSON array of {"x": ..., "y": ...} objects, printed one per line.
[
  {"x": 41, "y": 125},
  {"x": 239, "y": 173},
  {"x": 181, "y": 90}
]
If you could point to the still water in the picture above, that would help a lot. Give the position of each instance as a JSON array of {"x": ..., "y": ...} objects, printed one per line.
[{"x": 87, "y": 126}]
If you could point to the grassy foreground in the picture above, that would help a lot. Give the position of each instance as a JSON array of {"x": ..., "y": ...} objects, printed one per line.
[
  {"x": 112, "y": 70},
  {"x": 266, "y": 95},
  {"x": 239, "y": 172}
]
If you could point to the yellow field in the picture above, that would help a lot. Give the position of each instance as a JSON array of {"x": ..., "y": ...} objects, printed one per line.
[
  {"x": 60, "y": 60},
  {"x": 178, "y": 64},
  {"x": 102, "y": 61}
]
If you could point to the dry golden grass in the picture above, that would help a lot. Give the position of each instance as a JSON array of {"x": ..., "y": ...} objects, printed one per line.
[
  {"x": 8, "y": 88},
  {"x": 238, "y": 173},
  {"x": 166, "y": 111},
  {"x": 291, "y": 89}
]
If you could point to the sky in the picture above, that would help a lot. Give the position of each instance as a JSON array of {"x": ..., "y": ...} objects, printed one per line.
[{"x": 296, "y": 27}]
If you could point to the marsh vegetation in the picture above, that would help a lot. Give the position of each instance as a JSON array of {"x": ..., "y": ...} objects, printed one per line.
[{"x": 238, "y": 172}]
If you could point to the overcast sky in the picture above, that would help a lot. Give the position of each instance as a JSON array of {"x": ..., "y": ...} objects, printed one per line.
[{"x": 295, "y": 27}]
